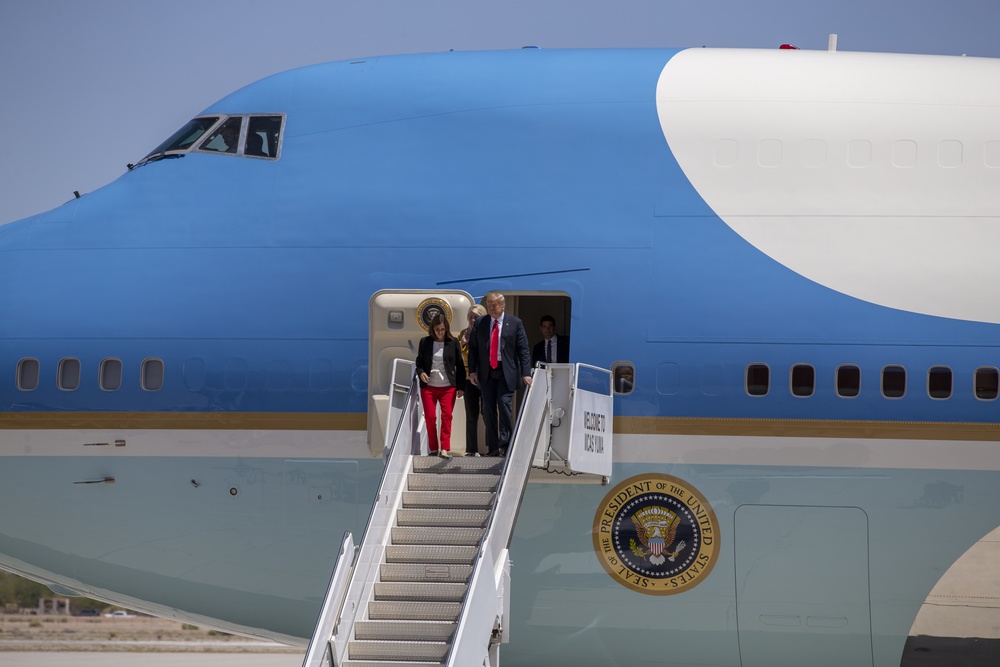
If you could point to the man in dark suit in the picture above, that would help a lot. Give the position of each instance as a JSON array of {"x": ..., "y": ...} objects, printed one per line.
[
  {"x": 498, "y": 364},
  {"x": 552, "y": 349}
]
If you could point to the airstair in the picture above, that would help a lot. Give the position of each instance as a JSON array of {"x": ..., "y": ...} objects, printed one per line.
[{"x": 429, "y": 583}]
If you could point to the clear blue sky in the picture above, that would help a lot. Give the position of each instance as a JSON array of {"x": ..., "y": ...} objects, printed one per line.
[{"x": 88, "y": 86}]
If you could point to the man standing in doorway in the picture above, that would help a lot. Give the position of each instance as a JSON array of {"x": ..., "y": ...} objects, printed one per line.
[
  {"x": 498, "y": 363},
  {"x": 552, "y": 349}
]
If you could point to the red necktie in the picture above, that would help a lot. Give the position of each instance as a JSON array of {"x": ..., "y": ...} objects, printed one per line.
[{"x": 494, "y": 345}]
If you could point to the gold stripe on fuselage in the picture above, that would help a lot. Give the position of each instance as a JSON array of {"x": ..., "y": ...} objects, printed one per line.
[{"x": 358, "y": 421}]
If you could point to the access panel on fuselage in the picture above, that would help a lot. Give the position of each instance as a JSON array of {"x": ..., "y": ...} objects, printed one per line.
[{"x": 802, "y": 590}]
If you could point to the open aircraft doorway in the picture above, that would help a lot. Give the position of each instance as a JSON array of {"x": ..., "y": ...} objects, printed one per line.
[{"x": 397, "y": 320}]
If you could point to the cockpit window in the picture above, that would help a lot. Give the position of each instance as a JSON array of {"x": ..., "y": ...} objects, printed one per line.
[
  {"x": 226, "y": 139},
  {"x": 245, "y": 135},
  {"x": 185, "y": 137},
  {"x": 262, "y": 136}
]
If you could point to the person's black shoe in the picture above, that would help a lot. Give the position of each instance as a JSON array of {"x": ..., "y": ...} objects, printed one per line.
[{"x": 494, "y": 452}]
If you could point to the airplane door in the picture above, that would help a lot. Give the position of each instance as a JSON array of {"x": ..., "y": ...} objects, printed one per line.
[
  {"x": 802, "y": 586},
  {"x": 397, "y": 320}
]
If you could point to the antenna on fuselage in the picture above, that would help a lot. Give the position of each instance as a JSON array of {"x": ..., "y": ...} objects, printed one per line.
[{"x": 831, "y": 44}]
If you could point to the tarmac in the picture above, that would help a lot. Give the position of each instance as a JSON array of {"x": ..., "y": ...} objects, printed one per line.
[{"x": 124, "y": 659}]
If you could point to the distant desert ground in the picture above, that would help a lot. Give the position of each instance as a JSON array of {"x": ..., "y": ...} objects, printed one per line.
[{"x": 72, "y": 633}]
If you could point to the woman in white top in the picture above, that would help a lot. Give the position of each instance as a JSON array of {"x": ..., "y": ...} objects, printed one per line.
[{"x": 441, "y": 372}]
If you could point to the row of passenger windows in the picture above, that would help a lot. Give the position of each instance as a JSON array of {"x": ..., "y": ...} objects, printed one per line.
[
  {"x": 109, "y": 374},
  {"x": 940, "y": 381}
]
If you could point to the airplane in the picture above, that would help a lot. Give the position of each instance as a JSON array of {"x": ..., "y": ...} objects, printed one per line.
[{"x": 785, "y": 258}]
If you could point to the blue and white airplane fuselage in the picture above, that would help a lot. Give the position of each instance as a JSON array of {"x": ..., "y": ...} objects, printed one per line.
[{"x": 793, "y": 250}]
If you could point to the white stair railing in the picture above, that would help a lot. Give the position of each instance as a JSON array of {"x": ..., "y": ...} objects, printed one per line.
[{"x": 487, "y": 605}]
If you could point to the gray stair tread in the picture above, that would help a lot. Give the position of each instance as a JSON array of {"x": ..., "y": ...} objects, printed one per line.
[
  {"x": 414, "y": 611},
  {"x": 425, "y": 572},
  {"x": 438, "y": 517},
  {"x": 404, "y": 630},
  {"x": 390, "y": 663},
  {"x": 430, "y": 553},
  {"x": 448, "y": 499},
  {"x": 416, "y": 592},
  {"x": 436, "y": 535},
  {"x": 403, "y": 650},
  {"x": 442, "y": 482},
  {"x": 458, "y": 464}
]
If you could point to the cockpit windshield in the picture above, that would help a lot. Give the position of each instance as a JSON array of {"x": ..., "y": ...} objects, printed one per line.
[
  {"x": 242, "y": 135},
  {"x": 183, "y": 138}
]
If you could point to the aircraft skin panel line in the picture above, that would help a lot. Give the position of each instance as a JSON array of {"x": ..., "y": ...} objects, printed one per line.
[{"x": 785, "y": 257}]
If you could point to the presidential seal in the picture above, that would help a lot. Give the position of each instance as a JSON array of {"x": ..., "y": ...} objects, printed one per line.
[
  {"x": 656, "y": 534},
  {"x": 428, "y": 308}
]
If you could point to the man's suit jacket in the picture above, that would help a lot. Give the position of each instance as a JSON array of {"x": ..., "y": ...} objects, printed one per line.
[
  {"x": 514, "y": 354},
  {"x": 562, "y": 351}
]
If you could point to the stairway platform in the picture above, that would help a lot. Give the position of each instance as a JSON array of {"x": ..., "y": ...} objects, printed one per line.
[
  {"x": 448, "y": 500},
  {"x": 458, "y": 464},
  {"x": 414, "y": 611},
  {"x": 427, "y": 572},
  {"x": 436, "y": 517},
  {"x": 420, "y": 592},
  {"x": 431, "y": 553},
  {"x": 438, "y": 631},
  {"x": 436, "y": 535},
  {"x": 397, "y": 650}
]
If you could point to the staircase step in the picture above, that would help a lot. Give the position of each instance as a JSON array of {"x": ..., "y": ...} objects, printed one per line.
[
  {"x": 414, "y": 611},
  {"x": 427, "y": 482},
  {"x": 458, "y": 464},
  {"x": 431, "y": 553},
  {"x": 420, "y": 631},
  {"x": 390, "y": 663},
  {"x": 425, "y": 572},
  {"x": 388, "y": 650},
  {"x": 419, "y": 592},
  {"x": 434, "y": 535},
  {"x": 437, "y": 517},
  {"x": 448, "y": 499}
]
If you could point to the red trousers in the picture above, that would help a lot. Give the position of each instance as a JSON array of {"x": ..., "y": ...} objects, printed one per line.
[{"x": 430, "y": 397}]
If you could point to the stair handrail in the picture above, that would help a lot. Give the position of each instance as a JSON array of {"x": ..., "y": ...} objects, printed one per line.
[
  {"x": 380, "y": 521},
  {"x": 472, "y": 636},
  {"x": 319, "y": 646}
]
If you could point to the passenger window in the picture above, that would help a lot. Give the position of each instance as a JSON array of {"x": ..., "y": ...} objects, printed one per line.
[
  {"x": 152, "y": 374},
  {"x": 893, "y": 381},
  {"x": 27, "y": 374},
  {"x": 848, "y": 381},
  {"x": 111, "y": 374},
  {"x": 939, "y": 382},
  {"x": 758, "y": 379},
  {"x": 623, "y": 374},
  {"x": 226, "y": 139},
  {"x": 987, "y": 383},
  {"x": 262, "y": 136},
  {"x": 803, "y": 380},
  {"x": 68, "y": 374}
]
